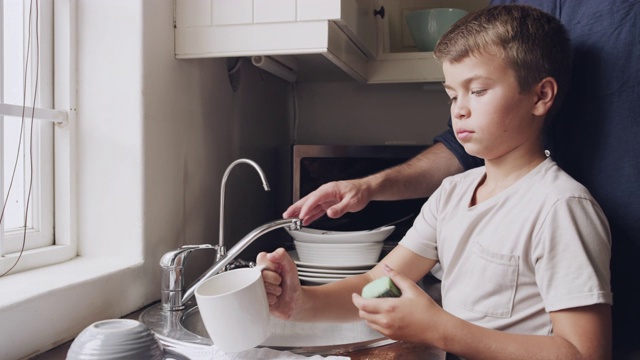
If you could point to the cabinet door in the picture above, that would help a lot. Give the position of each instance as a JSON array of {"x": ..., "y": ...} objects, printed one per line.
[
  {"x": 309, "y": 10},
  {"x": 271, "y": 11},
  {"x": 357, "y": 20}
]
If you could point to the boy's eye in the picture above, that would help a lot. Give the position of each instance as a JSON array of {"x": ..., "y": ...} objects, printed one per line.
[
  {"x": 478, "y": 92},
  {"x": 452, "y": 100}
]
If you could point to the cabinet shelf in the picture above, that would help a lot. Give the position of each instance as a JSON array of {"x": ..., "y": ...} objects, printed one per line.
[
  {"x": 409, "y": 67},
  {"x": 404, "y": 67}
]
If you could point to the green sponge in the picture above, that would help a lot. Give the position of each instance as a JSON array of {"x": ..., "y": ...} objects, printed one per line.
[{"x": 381, "y": 287}]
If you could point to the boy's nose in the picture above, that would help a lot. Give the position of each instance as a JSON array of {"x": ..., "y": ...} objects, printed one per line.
[{"x": 460, "y": 110}]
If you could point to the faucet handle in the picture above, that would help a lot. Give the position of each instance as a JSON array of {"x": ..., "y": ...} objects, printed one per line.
[
  {"x": 177, "y": 257},
  {"x": 172, "y": 264}
]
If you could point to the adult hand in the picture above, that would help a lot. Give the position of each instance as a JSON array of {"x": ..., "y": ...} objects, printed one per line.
[
  {"x": 281, "y": 282},
  {"x": 403, "y": 318},
  {"x": 335, "y": 199}
]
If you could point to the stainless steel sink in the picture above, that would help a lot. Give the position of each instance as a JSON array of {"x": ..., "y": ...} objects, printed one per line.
[
  {"x": 184, "y": 329},
  {"x": 176, "y": 320}
]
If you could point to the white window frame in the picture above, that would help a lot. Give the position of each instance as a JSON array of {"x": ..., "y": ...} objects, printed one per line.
[
  {"x": 37, "y": 135},
  {"x": 110, "y": 272},
  {"x": 56, "y": 108}
]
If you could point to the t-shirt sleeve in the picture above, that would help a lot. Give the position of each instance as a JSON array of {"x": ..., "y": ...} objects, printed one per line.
[
  {"x": 449, "y": 140},
  {"x": 421, "y": 238},
  {"x": 572, "y": 255}
]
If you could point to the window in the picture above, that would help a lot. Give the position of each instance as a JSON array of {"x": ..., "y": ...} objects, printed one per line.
[{"x": 30, "y": 130}]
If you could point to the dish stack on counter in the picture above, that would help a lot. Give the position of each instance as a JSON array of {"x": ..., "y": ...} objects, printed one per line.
[{"x": 326, "y": 256}]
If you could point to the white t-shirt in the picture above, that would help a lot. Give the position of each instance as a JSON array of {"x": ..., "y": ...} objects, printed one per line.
[{"x": 543, "y": 244}]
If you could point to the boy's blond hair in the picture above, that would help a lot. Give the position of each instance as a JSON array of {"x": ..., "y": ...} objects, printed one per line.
[{"x": 531, "y": 42}]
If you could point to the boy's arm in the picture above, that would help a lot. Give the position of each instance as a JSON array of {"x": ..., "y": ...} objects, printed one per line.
[
  {"x": 579, "y": 333},
  {"x": 330, "y": 302}
]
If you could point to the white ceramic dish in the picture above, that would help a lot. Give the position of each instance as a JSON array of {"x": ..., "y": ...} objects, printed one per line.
[
  {"x": 337, "y": 247},
  {"x": 322, "y": 275},
  {"x": 116, "y": 339},
  {"x": 315, "y": 280},
  {"x": 331, "y": 271},
  {"x": 299, "y": 263},
  {"x": 318, "y": 335},
  {"x": 339, "y": 254},
  {"x": 310, "y": 235}
]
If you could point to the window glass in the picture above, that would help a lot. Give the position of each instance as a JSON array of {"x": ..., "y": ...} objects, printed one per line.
[{"x": 26, "y": 59}]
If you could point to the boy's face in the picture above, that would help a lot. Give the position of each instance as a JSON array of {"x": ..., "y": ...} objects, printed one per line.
[{"x": 490, "y": 117}]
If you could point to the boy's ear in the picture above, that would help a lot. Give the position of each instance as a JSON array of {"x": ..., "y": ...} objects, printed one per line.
[{"x": 546, "y": 92}]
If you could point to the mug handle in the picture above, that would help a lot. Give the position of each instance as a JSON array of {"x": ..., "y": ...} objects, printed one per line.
[{"x": 259, "y": 267}]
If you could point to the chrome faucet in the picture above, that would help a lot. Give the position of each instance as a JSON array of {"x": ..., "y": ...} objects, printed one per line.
[
  {"x": 173, "y": 263},
  {"x": 221, "y": 247}
]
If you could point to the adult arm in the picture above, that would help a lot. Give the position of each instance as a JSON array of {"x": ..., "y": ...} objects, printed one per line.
[{"x": 416, "y": 178}]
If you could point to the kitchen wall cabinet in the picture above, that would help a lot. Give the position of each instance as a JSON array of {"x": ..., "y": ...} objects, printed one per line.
[
  {"x": 352, "y": 36},
  {"x": 342, "y": 31}
]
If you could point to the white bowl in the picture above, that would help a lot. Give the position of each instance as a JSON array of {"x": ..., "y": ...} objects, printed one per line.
[
  {"x": 339, "y": 254},
  {"x": 309, "y": 235},
  {"x": 116, "y": 339}
]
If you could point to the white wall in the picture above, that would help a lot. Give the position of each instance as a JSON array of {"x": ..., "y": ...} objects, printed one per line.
[
  {"x": 154, "y": 137},
  {"x": 194, "y": 126},
  {"x": 157, "y": 133},
  {"x": 361, "y": 114}
]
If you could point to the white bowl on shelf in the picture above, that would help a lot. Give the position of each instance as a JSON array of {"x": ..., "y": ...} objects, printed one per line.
[
  {"x": 339, "y": 253},
  {"x": 309, "y": 235}
]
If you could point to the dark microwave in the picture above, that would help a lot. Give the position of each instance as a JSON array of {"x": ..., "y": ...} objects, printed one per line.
[{"x": 314, "y": 165}]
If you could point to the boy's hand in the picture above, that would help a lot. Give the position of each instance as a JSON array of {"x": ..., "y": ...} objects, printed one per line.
[
  {"x": 281, "y": 282},
  {"x": 404, "y": 318}
]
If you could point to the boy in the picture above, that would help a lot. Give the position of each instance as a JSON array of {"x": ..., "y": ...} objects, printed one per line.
[{"x": 524, "y": 248}]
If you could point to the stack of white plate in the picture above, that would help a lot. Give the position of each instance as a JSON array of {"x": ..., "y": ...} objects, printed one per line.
[
  {"x": 323, "y": 274},
  {"x": 327, "y": 256}
]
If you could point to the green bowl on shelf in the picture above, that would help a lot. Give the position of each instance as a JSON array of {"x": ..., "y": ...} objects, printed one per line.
[{"x": 428, "y": 25}]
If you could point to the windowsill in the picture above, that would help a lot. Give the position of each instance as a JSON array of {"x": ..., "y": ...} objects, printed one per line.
[
  {"x": 38, "y": 282},
  {"x": 63, "y": 299}
]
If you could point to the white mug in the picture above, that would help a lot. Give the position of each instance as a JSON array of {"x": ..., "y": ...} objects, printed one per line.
[{"x": 234, "y": 309}]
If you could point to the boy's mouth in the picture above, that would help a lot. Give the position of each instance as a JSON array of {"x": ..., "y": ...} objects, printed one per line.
[{"x": 463, "y": 134}]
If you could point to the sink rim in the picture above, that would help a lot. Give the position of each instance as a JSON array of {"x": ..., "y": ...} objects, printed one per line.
[{"x": 168, "y": 328}]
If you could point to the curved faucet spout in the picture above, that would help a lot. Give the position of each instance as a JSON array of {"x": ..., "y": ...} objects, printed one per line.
[{"x": 221, "y": 248}]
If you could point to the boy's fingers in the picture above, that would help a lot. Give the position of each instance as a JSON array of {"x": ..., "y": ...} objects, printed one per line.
[{"x": 401, "y": 281}]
